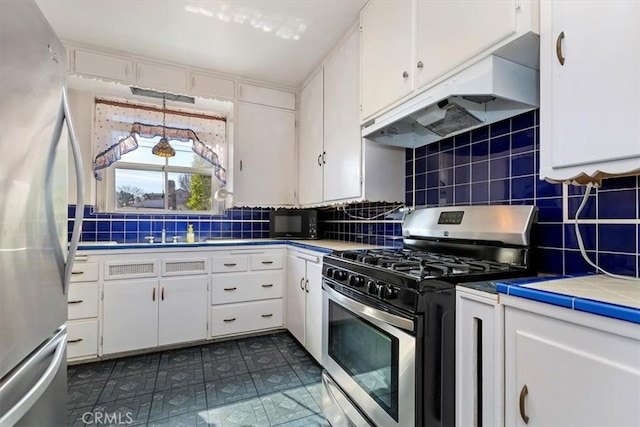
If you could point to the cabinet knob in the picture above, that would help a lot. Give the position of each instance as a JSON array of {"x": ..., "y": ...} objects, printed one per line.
[
  {"x": 420, "y": 64},
  {"x": 523, "y": 395},
  {"x": 559, "y": 47},
  {"x": 405, "y": 74}
]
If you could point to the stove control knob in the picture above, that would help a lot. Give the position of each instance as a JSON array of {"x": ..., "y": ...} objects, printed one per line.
[
  {"x": 386, "y": 292},
  {"x": 329, "y": 273},
  {"x": 356, "y": 281},
  {"x": 372, "y": 287},
  {"x": 339, "y": 275}
]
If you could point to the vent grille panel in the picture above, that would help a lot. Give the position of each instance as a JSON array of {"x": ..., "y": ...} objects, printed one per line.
[
  {"x": 185, "y": 266},
  {"x": 122, "y": 271}
]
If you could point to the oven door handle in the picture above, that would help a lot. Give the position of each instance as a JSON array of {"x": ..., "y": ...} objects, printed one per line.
[{"x": 370, "y": 313}]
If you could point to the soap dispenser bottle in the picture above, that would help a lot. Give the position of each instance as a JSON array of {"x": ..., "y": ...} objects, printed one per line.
[{"x": 190, "y": 235}]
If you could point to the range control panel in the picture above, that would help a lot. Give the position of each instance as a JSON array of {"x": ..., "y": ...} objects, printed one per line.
[{"x": 451, "y": 217}]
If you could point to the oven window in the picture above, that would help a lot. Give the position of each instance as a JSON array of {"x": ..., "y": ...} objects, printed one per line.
[{"x": 368, "y": 354}]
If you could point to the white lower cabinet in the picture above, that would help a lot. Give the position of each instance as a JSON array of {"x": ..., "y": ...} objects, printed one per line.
[
  {"x": 83, "y": 309},
  {"x": 567, "y": 368},
  {"x": 183, "y": 310},
  {"x": 304, "y": 300},
  {"x": 243, "y": 317},
  {"x": 82, "y": 338}
]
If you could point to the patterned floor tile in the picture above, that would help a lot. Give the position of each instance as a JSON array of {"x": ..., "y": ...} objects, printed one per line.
[
  {"x": 261, "y": 360},
  {"x": 227, "y": 390},
  {"x": 76, "y": 416},
  {"x": 89, "y": 372},
  {"x": 128, "y": 387},
  {"x": 315, "y": 390},
  {"x": 191, "y": 419},
  {"x": 179, "y": 376},
  {"x": 275, "y": 379},
  {"x": 136, "y": 365},
  {"x": 284, "y": 339},
  {"x": 249, "y": 413},
  {"x": 224, "y": 368},
  {"x": 289, "y": 405},
  {"x": 84, "y": 394},
  {"x": 220, "y": 350},
  {"x": 182, "y": 356},
  {"x": 134, "y": 411},
  {"x": 311, "y": 421},
  {"x": 308, "y": 372},
  {"x": 255, "y": 344},
  {"x": 295, "y": 355},
  {"x": 178, "y": 401}
]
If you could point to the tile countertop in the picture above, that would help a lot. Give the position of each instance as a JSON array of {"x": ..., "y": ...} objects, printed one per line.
[
  {"x": 596, "y": 294},
  {"x": 322, "y": 245}
]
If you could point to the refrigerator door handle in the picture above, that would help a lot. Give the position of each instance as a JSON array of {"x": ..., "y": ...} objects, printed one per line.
[
  {"x": 77, "y": 225},
  {"x": 13, "y": 415}
]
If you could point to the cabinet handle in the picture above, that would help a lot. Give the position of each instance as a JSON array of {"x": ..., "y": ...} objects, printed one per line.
[
  {"x": 267, "y": 315},
  {"x": 229, "y": 320},
  {"x": 153, "y": 294},
  {"x": 162, "y": 294},
  {"x": 77, "y": 272},
  {"x": 420, "y": 64},
  {"x": 267, "y": 262},
  {"x": 324, "y": 157},
  {"x": 193, "y": 82},
  {"x": 405, "y": 75},
  {"x": 559, "y": 47},
  {"x": 319, "y": 157},
  {"x": 78, "y": 301},
  {"x": 230, "y": 264},
  {"x": 301, "y": 282},
  {"x": 74, "y": 341},
  {"x": 523, "y": 395},
  {"x": 306, "y": 285},
  {"x": 230, "y": 289},
  {"x": 268, "y": 286},
  {"x": 240, "y": 164}
]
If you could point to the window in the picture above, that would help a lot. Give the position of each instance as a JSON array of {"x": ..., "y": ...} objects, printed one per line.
[{"x": 137, "y": 180}]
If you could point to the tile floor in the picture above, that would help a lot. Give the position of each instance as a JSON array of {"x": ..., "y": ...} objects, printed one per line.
[{"x": 268, "y": 380}]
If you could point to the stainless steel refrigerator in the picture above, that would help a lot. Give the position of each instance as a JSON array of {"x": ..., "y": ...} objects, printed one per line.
[{"x": 35, "y": 256}]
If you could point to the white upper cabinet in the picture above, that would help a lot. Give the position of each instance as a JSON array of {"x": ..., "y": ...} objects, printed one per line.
[
  {"x": 310, "y": 142},
  {"x": 153, "y": 76},
  {"x": 103, "y": 66},
  {"x": 211, "y": 86},
  {"x": 589, "y": 89},
  {"x": 264, "y": 156},
  {"x": 386, "y": 54},
  {"x": 266, "y": 96}
]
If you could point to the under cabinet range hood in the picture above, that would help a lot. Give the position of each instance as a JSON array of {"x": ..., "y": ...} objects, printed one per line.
[{"x": 492, "y": 89}]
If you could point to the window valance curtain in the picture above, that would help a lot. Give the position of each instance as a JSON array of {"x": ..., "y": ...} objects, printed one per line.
[{"x": 118, "y": 123}]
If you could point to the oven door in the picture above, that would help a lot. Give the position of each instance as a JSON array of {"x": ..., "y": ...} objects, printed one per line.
[{"x": 370, "y": 354}]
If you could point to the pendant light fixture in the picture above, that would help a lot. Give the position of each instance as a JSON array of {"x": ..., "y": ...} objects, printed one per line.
[{"x": 163, "y": 148}]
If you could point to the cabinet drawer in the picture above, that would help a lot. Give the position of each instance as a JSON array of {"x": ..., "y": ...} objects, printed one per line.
[
  {"x": 84, "y": 272},
  {"x": 229, "y": 288},
  {"x": 232, "y": 263},
  {"x": 82, "y": 338},
  {"x": 266, "y": 262},
  {"x": 250, "y": 316},
  {"x": 214, "y": 86},
  {"x": 82, "y": 301}
]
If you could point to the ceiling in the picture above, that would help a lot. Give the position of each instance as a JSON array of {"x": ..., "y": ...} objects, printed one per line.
[{"x": 275, "y": 41}]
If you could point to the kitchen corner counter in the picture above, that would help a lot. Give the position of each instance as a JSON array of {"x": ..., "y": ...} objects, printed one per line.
[{"x": 596, "y": 294}]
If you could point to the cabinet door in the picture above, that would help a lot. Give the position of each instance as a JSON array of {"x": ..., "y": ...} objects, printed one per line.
[
  {"x": 160, "y": 77},
  {"x": 342, "y": 141},
  {"x": 266, "y": 96},
  {"x": 590, "y": 106},
  {"x": 574, "y": 375},
  {"x": 103, "y": 66},
  {"x": 313, "y": 322},
  {"x": 130, "y": 315},
  {"x": 296, "y": 297},
  {"x": 386, "y": 54},
  {"x": 212, "y": 86},
  {"x": 310, "y": 142},
  {"x": 264, "y": 165},
  {"x": 183, "y": 310},
  {"x": 444, "y": 42}
]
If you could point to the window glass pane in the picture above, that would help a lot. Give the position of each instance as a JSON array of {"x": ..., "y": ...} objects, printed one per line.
[
  {"x": 185, "y": 155},
  {"x": 189, "y": 192},
  {"x": 137, "y": 189},
  {"x": 143, "y": 153}
]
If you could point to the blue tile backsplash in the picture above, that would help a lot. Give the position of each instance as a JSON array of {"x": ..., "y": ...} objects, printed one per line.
[{"x": 498, "y": 164}]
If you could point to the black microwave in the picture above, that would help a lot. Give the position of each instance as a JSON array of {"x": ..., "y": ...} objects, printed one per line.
[{"x": 294, "y": 224}]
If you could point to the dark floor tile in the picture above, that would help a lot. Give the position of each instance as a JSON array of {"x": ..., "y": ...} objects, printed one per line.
[
  {"x": 89, "y": 372},
  {"x": 275, "y": 379},
  {"x": 178, "y": 401},
  {"x": 308, "y": 372},
  {"x": 133, "y": 411},
  {"x": 228, "y": 390},
  {"x": 224, "y": 368},
  {"x": 182, "y": 356},
  {"x": 248, "y": 413},
  {"x": 256, "y": 344},
  {"x": 289, "y": 405},
  {"x": 84, "y": 394},
  {"x": 190, "y": 419},
  {"x": 220, "y": 350},
  {"x": 76, "y": 417},
  {"x": 128, "y": 387},
  {"x": 295, "y": 355},
  {"x": 283, "y": 339},
  {"x": 264, "y": 360},
  {"x": 179, "y": 376},
  {"x": 136, "y": 365}
]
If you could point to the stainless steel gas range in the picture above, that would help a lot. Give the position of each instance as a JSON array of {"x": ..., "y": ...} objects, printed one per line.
[{"x": 388, "y": 344}]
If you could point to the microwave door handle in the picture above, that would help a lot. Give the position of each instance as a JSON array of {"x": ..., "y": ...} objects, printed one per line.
[{"x": 77, "y": 225}]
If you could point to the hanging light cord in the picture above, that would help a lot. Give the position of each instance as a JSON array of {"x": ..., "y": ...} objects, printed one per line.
[
  {"x": 581, "y": 244},
  {"x": 164, "y": 117}
]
